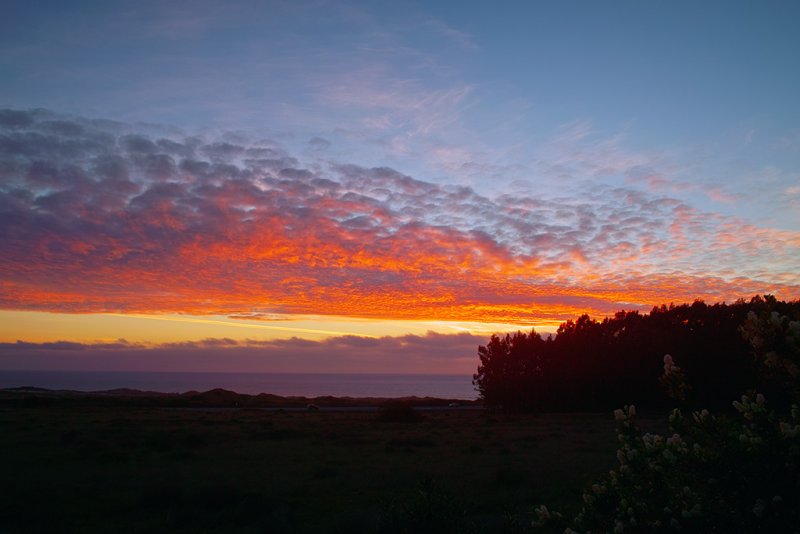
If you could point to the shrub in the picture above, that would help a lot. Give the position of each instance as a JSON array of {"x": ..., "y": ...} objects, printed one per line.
[
  {"x": 724, "y": 473},
  {"x": 398, "y": 412}
]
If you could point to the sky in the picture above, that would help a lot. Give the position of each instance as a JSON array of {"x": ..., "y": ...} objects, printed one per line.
[{"x": 379, "y": 186}]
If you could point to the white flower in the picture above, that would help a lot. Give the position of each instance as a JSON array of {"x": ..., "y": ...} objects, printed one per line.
[
  {"x": 701, "y": 416},
  {"x": 543, "y": 514},
  {"x": 758, "y": 508},
  {"x": 675, "y": 416},
  {"x": 669, "y": 365},
  {"x": 675, "y": 440},
  {"x": 790, "y": 431}
]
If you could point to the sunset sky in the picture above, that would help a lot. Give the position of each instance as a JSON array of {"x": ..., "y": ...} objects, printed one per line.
[{"x": 378, "y": 186}]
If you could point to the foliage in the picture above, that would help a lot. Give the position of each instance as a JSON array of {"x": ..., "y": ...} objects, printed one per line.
[
  {"x": 429, "y": 509},
  {"x": 599, "y": 365},
  {"x": 713, "y": 473},
  {"x": 398, "y": 412},
  {"x": 125, "y": 469}
]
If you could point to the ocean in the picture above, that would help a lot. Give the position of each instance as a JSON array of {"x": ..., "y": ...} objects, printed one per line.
[{"x": 284, "y": 384}]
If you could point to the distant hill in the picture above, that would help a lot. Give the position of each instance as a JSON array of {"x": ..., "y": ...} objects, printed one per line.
[{"x": 214, "y": 398}]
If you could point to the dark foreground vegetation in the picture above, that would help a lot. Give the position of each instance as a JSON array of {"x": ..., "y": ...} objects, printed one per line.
[
  {"x": 606, "y": 364},
  {"x": 92, "y": 467},
  {"x": 737, "y": 470},
  {"x": 718, "y": 452}
]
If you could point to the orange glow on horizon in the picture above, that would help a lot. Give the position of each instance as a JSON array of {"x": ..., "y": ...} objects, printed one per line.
[{"x": 153, "y": 330}]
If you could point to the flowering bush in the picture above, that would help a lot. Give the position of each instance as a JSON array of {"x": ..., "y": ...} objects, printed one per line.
[
  {"x": 729, "y": 473},
  {"x": 674, "y": 380}
]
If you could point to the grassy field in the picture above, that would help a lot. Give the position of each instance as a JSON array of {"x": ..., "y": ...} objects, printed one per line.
[{"x": 147, "y": 469}]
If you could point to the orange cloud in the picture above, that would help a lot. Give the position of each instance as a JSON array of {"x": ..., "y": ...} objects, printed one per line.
[{"x": 99, "y": 221}]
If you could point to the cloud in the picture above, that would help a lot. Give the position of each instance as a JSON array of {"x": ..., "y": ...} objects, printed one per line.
[
  {"x": 459, "y": 37},
  {"x": 395, "y": 105},
  {"x": 318, "y": 143},
  {"x": 100, "y": 216},
  {"x": 430, "y": 353}
]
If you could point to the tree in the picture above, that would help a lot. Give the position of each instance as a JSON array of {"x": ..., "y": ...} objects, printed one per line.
[
  {"x": 511, "y": 371},
  {"x": 591, "y": 365}
]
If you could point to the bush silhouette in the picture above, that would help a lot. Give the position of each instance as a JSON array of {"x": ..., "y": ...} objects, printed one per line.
[{"x": 398, "y": 412}]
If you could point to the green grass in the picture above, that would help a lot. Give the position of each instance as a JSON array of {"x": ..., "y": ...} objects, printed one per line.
[{"x": 83, "y": 469}]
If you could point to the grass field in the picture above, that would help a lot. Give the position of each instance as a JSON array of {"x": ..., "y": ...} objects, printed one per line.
[{"x": 148, "y": 469}]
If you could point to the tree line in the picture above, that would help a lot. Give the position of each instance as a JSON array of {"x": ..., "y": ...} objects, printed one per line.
[{"x": 591, "y": 365}]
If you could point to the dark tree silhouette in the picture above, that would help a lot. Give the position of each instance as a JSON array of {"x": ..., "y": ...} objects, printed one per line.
[{"x": 600, "y": 365}]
